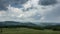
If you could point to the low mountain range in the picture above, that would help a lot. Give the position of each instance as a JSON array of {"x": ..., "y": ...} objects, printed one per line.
[{"x": 27, "y": 24}]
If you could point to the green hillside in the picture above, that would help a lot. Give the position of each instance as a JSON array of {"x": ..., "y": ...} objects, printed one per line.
[{"x": 27, "y": 31}]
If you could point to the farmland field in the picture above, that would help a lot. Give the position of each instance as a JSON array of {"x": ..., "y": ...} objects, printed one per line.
[{"x": 26, "y": 31}]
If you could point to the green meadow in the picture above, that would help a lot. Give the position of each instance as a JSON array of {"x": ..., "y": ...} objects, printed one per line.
[{"x": 26, "y": 31}]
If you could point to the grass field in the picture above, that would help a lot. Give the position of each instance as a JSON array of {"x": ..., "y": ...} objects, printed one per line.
[{"x": 27, "y": 31}]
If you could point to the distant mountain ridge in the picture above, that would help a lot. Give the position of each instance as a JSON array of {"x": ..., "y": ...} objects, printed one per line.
[
  {"x": 27, "y": 24},
  {"x": 13, "y": 23}
]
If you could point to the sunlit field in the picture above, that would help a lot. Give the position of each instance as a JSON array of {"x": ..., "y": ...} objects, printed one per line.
[{"x": 26, "y": 31}]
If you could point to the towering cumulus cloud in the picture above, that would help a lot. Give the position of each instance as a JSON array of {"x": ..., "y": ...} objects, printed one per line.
[{"x": 30, "y": 10}]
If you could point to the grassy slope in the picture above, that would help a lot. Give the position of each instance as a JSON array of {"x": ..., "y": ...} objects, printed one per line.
[{"x": 27, "y": 31}]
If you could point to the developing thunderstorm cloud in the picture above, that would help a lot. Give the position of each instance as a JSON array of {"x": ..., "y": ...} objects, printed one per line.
[{"x": 30, "y": 10}]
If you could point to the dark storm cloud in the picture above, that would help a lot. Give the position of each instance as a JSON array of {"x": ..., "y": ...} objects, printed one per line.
[
  {"x": 18, "y": 1},
  {"x": 47, "y": 2},
  {"x": 3, "y": 5},
  {"x": 15, "y": 3}
]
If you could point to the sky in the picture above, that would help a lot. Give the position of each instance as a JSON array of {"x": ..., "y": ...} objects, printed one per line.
[{"x": 30, "y": 10}]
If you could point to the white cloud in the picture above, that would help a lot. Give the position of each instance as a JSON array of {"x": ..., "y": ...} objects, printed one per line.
[{"x": 38, "y": 13}]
